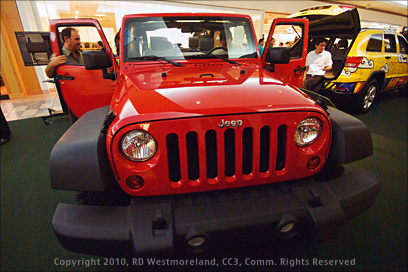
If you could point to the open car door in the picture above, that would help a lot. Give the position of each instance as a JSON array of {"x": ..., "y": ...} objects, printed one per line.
[
  {"x": 331, "y": 20},
  {"x": 339, "y": 25},
  {"x": 298, "y": 30},
  {"x": 83, "y": 90}
]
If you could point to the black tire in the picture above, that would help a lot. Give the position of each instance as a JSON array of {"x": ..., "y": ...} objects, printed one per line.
[
  {"x": 368, "y": 95},
  {"x": 113, "y": 196}
]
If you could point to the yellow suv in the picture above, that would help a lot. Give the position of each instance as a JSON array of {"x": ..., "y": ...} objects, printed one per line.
[{"x": 365, "y": 61}]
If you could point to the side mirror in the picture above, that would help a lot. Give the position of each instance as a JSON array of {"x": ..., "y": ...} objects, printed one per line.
[
  {"x": 278, "y": 55},
  {"x": 98, "y": 59}
]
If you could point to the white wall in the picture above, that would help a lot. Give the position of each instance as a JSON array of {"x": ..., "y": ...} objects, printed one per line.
[{"x": 29, "y": 20}]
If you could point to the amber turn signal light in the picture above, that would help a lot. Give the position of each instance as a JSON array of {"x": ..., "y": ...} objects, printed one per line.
[
  {"x": 313, "y": 163},
  {"x": 134, "y": 182}
]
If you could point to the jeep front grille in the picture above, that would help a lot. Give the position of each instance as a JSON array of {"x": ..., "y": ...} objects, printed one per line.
[
  {"x": 222, "y": 148},
  {"x": 204, "y": 153}
]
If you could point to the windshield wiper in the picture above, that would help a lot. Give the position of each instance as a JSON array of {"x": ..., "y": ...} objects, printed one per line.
[
  {"x": 227, "y": 60},
  {"x": 224, "y": 59},
  {"x": 153, "y": 57}
]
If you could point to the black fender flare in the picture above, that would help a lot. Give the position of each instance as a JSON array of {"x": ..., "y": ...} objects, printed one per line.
[
  {"x": 79, "y": 160},
  {"x": 351, "y": 138}
]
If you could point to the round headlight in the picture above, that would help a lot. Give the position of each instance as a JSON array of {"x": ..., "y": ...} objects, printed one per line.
[
  {"x": 138, "y": 145},
  {"x": 308, "y": 131}
]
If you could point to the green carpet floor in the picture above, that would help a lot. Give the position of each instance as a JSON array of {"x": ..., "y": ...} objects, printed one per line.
[
  {"x": 376, "y": 240},
  {"x": 27, "y": 200}
]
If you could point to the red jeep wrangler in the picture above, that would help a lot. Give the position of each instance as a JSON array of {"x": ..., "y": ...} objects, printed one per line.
[{"x": 191, "y": 134}]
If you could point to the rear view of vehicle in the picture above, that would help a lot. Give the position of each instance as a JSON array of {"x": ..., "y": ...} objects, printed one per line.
[{"x": 365, "y": 62}]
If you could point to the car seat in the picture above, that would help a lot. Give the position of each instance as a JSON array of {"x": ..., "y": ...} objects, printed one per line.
[
  {"x": 159, "y": 46},
  {"x": 206, "y": 44}
]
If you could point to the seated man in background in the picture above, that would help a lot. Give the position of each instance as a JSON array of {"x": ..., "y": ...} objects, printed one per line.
[{"x": 318, "y": 62}]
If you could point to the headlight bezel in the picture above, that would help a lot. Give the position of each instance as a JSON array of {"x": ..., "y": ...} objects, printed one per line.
[
  {"x": 309, "y": 123},
  {"x": 146, "y": 136}
]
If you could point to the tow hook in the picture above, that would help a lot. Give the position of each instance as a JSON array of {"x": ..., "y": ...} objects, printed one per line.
[
  {"x": 315, "y": 202},
  {"x": 159, "y": 224},
  {"x": 324, "y": 214}
]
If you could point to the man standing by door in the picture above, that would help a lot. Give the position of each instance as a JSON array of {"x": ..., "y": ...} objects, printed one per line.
[
  {"x": 71, "y": 53},
  {"x": 318, "y": 62}
]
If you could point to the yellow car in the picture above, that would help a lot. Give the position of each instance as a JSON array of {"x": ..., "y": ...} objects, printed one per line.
[{"x": 365, "y": 61}]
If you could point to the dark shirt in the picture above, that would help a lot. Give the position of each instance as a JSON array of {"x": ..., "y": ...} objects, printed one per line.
[{"x": 70, "y": 57}]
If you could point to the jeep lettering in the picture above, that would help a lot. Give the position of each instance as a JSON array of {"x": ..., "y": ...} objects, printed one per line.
[{"x": 234, "y": 123}]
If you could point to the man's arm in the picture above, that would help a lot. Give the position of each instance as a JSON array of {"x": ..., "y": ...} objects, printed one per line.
[
  {"x": 329, "y": 63},
  {"x": 304, "y": 83},
  {"x": 327, "y": 68},
  {"x": 51, "y": 69}
]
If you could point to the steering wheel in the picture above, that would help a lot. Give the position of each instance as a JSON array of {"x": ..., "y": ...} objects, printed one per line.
[{"x": 215, "y": 49}]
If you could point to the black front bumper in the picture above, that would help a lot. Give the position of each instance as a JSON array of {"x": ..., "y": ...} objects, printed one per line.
[{"x": 153, "y": 225}]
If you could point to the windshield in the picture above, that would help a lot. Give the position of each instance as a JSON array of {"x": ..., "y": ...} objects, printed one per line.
[{"x": 179, "y": 38}]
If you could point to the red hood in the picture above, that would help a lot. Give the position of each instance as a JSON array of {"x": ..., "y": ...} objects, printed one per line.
[{"x": 169, "y": 92}]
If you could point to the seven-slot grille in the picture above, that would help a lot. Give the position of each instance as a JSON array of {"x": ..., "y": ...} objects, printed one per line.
[{"x": 239, "y": 151}]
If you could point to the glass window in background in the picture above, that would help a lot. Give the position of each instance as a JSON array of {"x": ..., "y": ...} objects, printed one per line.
[{"x": 110, "y": 13}]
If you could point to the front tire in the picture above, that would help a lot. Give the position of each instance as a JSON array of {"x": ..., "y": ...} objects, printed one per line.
[{"x": 366, "y": 101}]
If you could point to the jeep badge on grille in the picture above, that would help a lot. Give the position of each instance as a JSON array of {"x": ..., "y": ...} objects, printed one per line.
[{"x": 233, "y": 123}]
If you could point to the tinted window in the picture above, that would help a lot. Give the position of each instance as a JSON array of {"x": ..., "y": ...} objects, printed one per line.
[
  {"x": 375, "y": 43},
  {"x": 389, "y": 43},
  {"x": 403, "y": 45}
]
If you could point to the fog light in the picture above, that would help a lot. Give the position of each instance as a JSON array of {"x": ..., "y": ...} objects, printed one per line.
[
  {"x": 313, "y": 163},
  {"x": 196, "y": 242},
  {"x": 287, "y": 228},
  {"x": 134, "y": 182}
]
